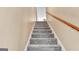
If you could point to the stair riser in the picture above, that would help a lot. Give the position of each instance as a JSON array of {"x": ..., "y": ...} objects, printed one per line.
[
  {"x": 43, "y": 36},
  {"x": 42, "y": 28},
  {"x": 42, "y": 31},
  {"x": 43, "y": 42},
  {"x": 44, "y": 49},
  {"x": 40, "y": 23}
]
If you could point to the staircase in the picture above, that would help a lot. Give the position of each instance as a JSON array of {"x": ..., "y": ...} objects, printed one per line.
[{"x": 43, "y": 39}]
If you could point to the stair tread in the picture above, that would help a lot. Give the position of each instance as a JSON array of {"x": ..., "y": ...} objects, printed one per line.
[
  {"x": 43, "y": 41},
  {"x": 41, "y": 27},
  {"x": 44, "y": 45},
  {"x": 44, "y": 48},
  {"x": 42, "y": 30},
  {"x": 42, "y": 33},
  {"x": 42, "y": 38}
]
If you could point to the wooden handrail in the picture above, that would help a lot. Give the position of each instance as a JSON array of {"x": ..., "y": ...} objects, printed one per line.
[{"x": 65, "y": 22}]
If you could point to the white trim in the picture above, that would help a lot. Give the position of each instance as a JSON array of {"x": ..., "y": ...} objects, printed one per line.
[
  {"x": 59, "y": 42},
  {"x": 28, "y": 41}
]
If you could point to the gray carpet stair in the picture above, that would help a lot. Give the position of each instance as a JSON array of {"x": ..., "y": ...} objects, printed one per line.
[
  {"x": 42, "y": 39},
  {"x": 44, "y": 47}
]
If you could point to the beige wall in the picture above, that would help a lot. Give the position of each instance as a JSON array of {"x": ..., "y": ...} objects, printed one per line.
[
  {"x": 15, "y": 26},
  {"x": 68, "y": 36},
  {"x": 28, "y": 21},
  {"x": 69, "y": 14}
]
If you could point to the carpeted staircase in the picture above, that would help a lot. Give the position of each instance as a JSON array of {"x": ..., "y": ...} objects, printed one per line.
[{"x": 42, "y": 39}]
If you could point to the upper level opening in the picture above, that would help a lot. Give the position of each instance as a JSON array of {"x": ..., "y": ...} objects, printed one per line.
[{"x": 41, "y": 13}]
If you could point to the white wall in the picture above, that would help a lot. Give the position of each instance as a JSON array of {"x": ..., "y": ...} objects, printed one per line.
[
  {"x": 68, "y": 36},
  {"x": 41, "y": 13},
  {"x": 13, "y": 22}
]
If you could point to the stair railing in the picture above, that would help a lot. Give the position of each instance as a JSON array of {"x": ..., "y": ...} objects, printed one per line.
[{"x": 65, "y": 22}]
